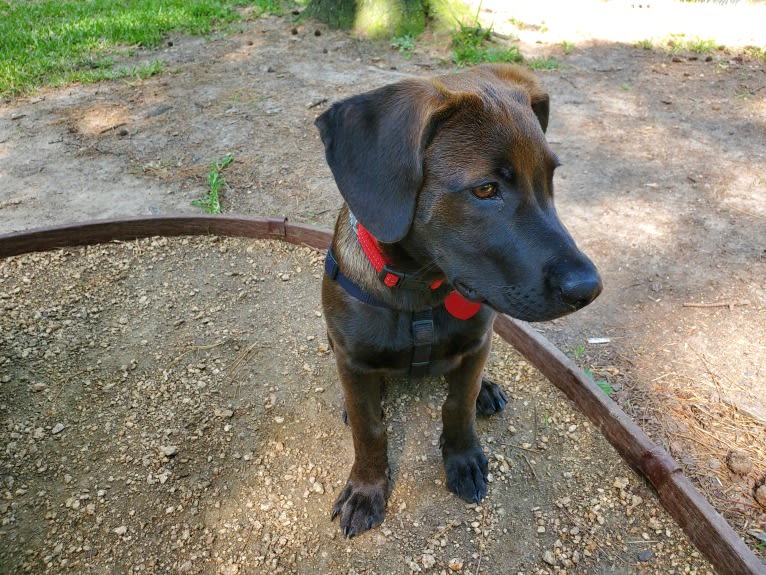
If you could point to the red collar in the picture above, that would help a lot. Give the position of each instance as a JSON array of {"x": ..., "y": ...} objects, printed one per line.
[{"x": 458, "y": 306}]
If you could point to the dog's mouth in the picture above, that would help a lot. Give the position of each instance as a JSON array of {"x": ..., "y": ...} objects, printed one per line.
[{"x": 468, "y": 292}]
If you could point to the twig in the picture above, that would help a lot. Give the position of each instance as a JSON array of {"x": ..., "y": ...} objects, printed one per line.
[
  {"x": 196, "y": 348},
  {"x": 112, "y": 127},
  {"x": 448, "y": 527},
  {"x": 729, "y": 304},
  {"x": 525, "y": 448},
  {"x": 233, "y": 367},
  {"x": 530, "y": 466}
]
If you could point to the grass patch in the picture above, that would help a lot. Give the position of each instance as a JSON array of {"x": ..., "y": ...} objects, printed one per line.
[
  {"x": 755, "y": 52},
  {"x": 211, "y": 203},
  {"x": 602, "y": 383},
  {"x": 404, "y": 44},
  {"x": 473, "y": 44},
  {"x": 549, "y": 63},
  {"x": 679, "y": 43},
  {"x": 56, "y": 42}
]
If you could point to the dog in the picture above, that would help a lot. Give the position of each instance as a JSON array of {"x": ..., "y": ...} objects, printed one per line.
[{"x": 448, "y": 218}]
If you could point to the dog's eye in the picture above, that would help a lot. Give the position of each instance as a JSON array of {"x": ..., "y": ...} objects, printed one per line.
[{"x": 485, "y": 191}]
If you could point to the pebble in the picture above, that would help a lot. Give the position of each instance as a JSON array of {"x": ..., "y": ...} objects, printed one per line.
[
  {"x": 645, "y": 555},
  {"x": 739, "y": 462},
  {"x": 169, "y": 450},
  {"x": 121, "y": 530},
  {"x": 549, "y": 558},
  {"x": 428, "y": 560},
  {"x": 58, "y": 428}
]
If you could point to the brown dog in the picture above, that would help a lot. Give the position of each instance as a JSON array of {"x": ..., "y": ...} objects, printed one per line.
[{"x": 449, "y": 217}]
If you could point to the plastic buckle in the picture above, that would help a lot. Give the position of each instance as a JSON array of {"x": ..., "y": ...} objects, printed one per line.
[{"x": 391, "y": 278}]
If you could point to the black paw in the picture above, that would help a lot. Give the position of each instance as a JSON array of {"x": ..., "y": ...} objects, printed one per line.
[
  {"x": 467, "y": 474},
  {"x": 360, "y": 506},
  {"x": 491, "y": 398}
]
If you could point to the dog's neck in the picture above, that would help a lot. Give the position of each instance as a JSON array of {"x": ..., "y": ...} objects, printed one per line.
[{"x": 414, "y": 295}]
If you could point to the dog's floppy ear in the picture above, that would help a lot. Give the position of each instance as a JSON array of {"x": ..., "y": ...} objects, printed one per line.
[
  {"x": 539, "y": 99},
  {"x": 374, "y": 144}
]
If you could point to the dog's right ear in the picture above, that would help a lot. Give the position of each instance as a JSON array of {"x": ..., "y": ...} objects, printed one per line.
[{"x": 374, "y": 144}]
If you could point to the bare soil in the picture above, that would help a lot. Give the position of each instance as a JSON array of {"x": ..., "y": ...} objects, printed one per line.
[{"x": 170, "y": 406}]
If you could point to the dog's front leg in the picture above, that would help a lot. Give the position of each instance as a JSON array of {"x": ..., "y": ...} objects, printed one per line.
[
  {"x": 464, "y": 460},
  {"x": 362, "y": 503}
]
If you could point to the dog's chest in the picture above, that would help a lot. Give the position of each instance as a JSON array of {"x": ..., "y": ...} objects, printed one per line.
[{"x": 389, "y": 343}]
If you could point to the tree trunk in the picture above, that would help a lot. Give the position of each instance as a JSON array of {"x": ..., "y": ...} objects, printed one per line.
[{"x": 372, "y": 18}]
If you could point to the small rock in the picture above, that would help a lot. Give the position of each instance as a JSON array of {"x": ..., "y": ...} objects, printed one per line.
[
  {"x": 548, "y": 557},
  {"x": 428, "y": 560},
  {"x": 760, "y": 495},
  {"x": 739, "y": 462},
  {"x": 455, "y": 565},
  {"x": 645, "y": 555},
  {"x": 58, "y": 428},
  {"x": 121, "y": 530},
  {"x": 169, "y": 450}
]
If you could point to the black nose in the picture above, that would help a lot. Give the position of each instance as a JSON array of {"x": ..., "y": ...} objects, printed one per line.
[
  {"x": 578, "y": 290},
  {"x": 577, "y": 282}
]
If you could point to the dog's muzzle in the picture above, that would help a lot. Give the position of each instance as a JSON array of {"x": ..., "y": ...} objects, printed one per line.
[{"x": 577, "y": 283}]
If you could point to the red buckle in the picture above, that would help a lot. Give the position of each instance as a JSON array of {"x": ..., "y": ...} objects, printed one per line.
[{"x": 389, "y": 277}]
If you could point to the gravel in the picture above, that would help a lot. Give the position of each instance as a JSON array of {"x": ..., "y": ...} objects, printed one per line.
[{"x": 170, "y": 406}]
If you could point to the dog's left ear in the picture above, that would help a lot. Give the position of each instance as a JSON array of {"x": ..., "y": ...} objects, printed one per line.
[{"x": 374, "y": 144}]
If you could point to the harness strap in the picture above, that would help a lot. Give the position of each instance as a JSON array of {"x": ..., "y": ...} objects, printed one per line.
[
  {"x": 332, "y": 269},
  {"x": 422, "y": 326},
  {"x": 422, "y": 339},
  {"x": 422, "y": 321}
]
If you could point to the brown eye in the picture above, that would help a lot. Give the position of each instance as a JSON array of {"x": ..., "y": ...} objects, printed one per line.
[{"x": 485, "y": 192}]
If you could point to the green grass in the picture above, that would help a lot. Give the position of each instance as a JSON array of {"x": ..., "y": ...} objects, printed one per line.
[
  {"x": 211, "y": 203},
  {"x": 679, "y": 43},
  {"x": 602, "y": 383},
  {"x": 404, "y": 43},
  {"x": 56, "y": 42},
  {"x": 755, "y": 52},
  {"x": 473, "y": 45},
  {"x": 549, "y": 63}
]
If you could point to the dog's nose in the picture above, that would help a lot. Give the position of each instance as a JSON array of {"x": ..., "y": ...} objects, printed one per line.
[
  {"x": 574, "y": 279},
  {"x": 580, "y": 291}
]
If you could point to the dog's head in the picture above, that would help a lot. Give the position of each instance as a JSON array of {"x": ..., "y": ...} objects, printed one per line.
[{"x": 457, "y": 171}]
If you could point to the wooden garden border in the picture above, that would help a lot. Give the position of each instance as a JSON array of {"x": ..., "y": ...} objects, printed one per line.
[{"x": 709, "y": 532}]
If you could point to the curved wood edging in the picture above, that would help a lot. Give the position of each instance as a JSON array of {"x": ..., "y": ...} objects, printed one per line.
[{"x": 704, "y": 526}]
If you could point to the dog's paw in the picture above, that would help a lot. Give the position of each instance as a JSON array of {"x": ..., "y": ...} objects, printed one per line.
[
  {"x": 491, "y": 398},
  {"x": 467, "y": 473},
  {"x": 360, "y": 506}
]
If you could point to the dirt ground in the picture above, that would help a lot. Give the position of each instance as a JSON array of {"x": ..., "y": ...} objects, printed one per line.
[{"x": 172, "y": 407}]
